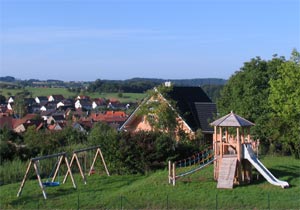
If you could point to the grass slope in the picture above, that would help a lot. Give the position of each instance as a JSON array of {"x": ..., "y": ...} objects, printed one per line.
[{"x": 197, "y": 191}]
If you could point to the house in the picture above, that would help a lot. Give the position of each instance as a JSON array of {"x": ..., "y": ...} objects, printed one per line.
[
  {"x": 84, "y": 104},
  {"x": 20, "y": 125},
  {"x": 194, "y": 111},
  {"x": 20, "y": 128},
  {"x": 65, "y": 104},
  {"x": 10, "y": 106},
  {"x": 99, "y": 103},
  {"x": 11, "y": 99},
  {"x": 115, "y": 118},
  {"x": 48, "y": 106},
  {"x": 58, "y": 118},
  {"x": 41, "y": 99},
  {"x": 77, "y": 126},
  {"x": 82, "y": 97},
  {"x": 56, "y": 98},
  {"x": 56, "y": 126}
]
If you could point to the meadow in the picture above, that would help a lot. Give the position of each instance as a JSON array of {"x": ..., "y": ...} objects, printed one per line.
[
  {"x": 40, "y": 91},
  {"x": 152, "y": 191}
]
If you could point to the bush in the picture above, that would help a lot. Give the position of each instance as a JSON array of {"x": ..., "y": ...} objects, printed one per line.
[{"x": 12, "y": 171}]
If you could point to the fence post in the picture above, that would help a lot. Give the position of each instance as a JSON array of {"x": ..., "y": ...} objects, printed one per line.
[
  {"x": 269, "y": 201},
  {"x": 167, "y": 202},
  {"x": 121, "y": 202},
  {"x": 217, "y": 201},
  {"x": 78, "y": 202}
]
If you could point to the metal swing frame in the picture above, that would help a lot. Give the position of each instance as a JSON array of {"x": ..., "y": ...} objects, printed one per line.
[{"x": 34, "y": 162}]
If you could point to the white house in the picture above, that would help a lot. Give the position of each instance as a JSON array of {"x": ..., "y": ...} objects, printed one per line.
[{"x": 11, "y": 100}]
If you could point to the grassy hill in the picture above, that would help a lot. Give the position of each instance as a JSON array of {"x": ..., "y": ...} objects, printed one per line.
[{"x": 197, "y": 191}]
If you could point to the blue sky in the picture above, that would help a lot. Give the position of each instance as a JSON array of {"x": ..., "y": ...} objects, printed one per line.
[{"x": 85, "y": 40}]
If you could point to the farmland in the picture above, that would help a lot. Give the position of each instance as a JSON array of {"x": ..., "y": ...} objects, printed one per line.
[{"x": 40, "y": 91}]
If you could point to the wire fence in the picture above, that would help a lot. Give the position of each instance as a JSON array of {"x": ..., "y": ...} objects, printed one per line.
[{"x": 216, "y": 201}]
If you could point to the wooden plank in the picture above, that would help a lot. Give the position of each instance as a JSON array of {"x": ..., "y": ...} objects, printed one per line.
[
  {"x": 39, "y": 179},
  {"x": 24, "y": 179},
  {"x": 226, "y": 173}
]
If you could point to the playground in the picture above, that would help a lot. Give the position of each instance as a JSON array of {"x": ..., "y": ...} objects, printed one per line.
[
  {"x": 229, "y": 162},
  {"x": 152, "y": 191},
  {"x": 232, "y": 154}
]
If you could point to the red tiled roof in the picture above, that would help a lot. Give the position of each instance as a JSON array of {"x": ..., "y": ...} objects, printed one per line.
[
  {"x": 6, "y": 122},
  {"x": 110, "y": 116},
  {"x": 27, "y": 117}
]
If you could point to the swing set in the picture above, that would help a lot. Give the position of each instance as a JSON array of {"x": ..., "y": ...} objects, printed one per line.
[
  {"x": 35, "y": 163},
  {"x": 91, "y": 170}
]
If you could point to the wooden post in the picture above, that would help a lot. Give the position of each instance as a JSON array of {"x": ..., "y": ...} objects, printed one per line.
[
  {"x": 174, "y": 174},
  {"x": 39, "y": 179},
  {"x": 57, "y": 168},
  {"x": 239, "y": 155},
  {"x": 79, "y": 166},
  {"x": 215, "y": 152},
  {"x": 169, "y": 171},
  {"x": 70, "y": 172},
  {"x": 92, "y": 166},
  {"x": 249, "y": 141},
  {"x": 221, "y": 142},
  {"x": 103, "y": 161},
  {"x": 226, "y": 135},
  {"x": 75, "y": 157},
  {"x": 24, "y": 179},
  {"x": 243, "y": 136}
]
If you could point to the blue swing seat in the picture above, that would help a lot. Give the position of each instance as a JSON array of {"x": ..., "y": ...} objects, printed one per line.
[{"x": 51, "y": 184}]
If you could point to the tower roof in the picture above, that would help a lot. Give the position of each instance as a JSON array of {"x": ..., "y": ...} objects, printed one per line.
[{"x": 232, "y": 120}]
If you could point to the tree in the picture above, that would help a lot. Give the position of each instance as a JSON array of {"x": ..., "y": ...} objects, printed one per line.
[
  {"x": 284, "y": 100},
  {"x": 107, "y": 138},
  {"x": 2, "y": 99},
  {"x": 246, "y": 93},
  {"x": 160, "y": 113},
  {"x": 20, "y": 106}
]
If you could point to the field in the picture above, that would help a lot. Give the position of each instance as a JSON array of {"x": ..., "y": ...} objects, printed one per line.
[
  {"x": 126, "y": 97},
  {"x": 152, "y": 191}
]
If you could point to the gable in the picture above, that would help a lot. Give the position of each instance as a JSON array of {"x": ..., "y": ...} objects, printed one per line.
[{"x": 194, "y": 106}]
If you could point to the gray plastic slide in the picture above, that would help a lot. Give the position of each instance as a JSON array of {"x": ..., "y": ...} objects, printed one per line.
[{"x": 249, "y": 155}]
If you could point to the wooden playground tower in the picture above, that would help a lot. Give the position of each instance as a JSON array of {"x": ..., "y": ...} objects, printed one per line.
[{"x": 230, "y": 133}]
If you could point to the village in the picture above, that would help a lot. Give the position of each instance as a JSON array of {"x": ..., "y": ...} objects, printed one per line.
[{"x": 54, "y": 111}]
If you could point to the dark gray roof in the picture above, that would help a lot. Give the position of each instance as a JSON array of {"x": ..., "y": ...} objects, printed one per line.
[
  {"x": 194, "y": 106},
  {"x": 205, "y": 112},
  {"x": 232, "y": 120}
]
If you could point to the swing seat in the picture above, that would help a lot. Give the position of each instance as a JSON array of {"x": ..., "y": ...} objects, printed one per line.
[
  {"x": 51, "y": 184},
  {"x": 93, "y": 171}
]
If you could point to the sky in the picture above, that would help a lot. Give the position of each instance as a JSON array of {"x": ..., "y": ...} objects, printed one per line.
[{"x": 85, "y": 40}]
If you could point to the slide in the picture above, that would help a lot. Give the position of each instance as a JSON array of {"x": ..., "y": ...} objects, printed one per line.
[{"x": 249, "y": 155}]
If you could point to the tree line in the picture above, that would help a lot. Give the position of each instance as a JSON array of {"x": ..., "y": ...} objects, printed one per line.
[
  {"x": 124, "y": 153},
  {"x": 267, "y": 93}
]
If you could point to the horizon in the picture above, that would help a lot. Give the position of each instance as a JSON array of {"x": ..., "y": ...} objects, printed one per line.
[
  {"x": 119, "y": 40},
  {"x": 45, "y": 80}
]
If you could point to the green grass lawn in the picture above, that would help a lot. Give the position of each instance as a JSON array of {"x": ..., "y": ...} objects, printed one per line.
[
  {"x": 197, "y": 191},
  {"x": 126, "y": 97}
]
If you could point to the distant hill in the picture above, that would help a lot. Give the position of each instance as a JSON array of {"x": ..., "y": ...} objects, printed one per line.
[
  {"x": 179, "y": 82},
  {"x": 7, "y": 79},
  {"x": 183, "y": 82}
]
